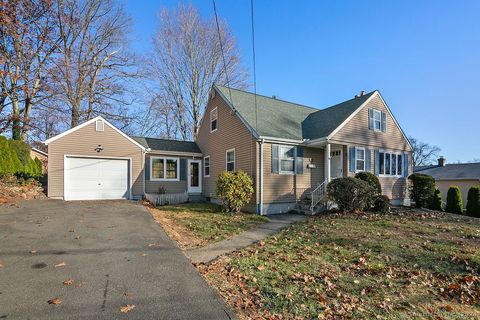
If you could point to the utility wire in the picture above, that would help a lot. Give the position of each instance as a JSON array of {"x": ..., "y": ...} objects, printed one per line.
[{"x": 254, "y": 66}]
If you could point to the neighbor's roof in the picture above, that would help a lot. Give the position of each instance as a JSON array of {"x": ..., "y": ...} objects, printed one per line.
[
  {"x": 156, "y": 144},
  {"x": 460, "y": 171},
  {"x": 282, "y": 119}
]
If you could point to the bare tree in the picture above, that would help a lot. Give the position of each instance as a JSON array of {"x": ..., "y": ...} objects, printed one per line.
[
  {"x": 27, "y": 42},
  {"x": 187, "y": 60},
  {"x": 423, "y": 153},
  {"x": 93, "y": 64}
]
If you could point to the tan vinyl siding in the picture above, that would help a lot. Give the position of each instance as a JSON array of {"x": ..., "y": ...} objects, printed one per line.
[
  {"x": 280, "y": 187},
  {"x": 170, "y": 186},
  {"x": 464, "y": 185},
  {"x": 83, "y": 142},
  {"x": 231, "y": 133}
]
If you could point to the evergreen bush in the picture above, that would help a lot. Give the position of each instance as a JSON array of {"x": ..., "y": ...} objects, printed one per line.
[
  {"x": 437, "y": 203},
  {"x": 422, "y": 189},
  {"x": 235, "y": 188},
  {"x": 350, "y": 194},
  {"x": 454, "y": 200},
  {"x": 473, "y": 202}
]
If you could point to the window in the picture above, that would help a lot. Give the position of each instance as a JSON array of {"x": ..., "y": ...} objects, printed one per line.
[
  {"x": 206, "y": 166},
  {"x": 286, "y": 156},
  {"x": 213, "y": 120},
  {"x": 230, "y": 159},
  {"x": 164, "y": 168},
  {"x": 377, "y": 120},
  {"x": 99, "y": 125},
  {"x": 360, "y": 159},
  {"x": 390, "y": 164}
]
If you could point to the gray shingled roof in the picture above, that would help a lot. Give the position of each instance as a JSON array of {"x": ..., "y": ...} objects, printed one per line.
[
  {"x": 156, "y": 144},
  {"x": 287, "y": 120},
  {"x": 453, "y": 171}
]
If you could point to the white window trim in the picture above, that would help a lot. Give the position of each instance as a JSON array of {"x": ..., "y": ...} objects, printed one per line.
[
  {"x": 234, "y": 159},
  {"x": 209, "y": 166},
  {"x": 396, "y": 162},
  {"x": 375, "y": 111},
  {"x": 164, "y": 168},
  {"x": 211, "y": 120},
  {"x": 102, "y": 125},
  {"x": 364, "y": 159},
  {"x": 280, "y": 160}
]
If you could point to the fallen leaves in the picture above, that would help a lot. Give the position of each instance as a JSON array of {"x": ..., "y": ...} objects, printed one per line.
[
  {"x": 61, "y": 264},
  {"x": 127, "y": 308},
  {"x": 68, "y": 282},
  {"x": 54, "y": 301},
  {"x": 33, "y": 252}
]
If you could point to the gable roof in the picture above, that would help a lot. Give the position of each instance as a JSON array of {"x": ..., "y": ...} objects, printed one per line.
[
  {"x": 286, "y": 120},
  {"x": 460, "y": 171},
  {"x": 156, "y": 144}
]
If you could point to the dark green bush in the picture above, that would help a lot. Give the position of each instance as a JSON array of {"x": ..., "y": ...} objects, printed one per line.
[
  {"x": 350, "y": 194},
  {"x": 235, "y": 188},
  {"x": 9, "y": 162},
  {"x": 454, "y": 200},
  {"x": 381, "y": 204},
  {"x": 371, "y": 179},
  {"x": 437, "y": 203},
  {"x": 422, "y": 189},
  {"x": 473, "y": 202}
]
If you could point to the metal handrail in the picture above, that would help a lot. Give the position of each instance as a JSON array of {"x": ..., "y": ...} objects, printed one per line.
[{"x": 317, "y": 195}]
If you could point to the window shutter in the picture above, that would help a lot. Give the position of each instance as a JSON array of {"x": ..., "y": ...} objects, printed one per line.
[
  {"x": 384, "y": 122},
  {"x": 299, "y": 160},
  {"x": 351, "y": 155},
  {"x": 146, "y": 167},
  {"x": 370, "y": 119},
  {"x": 368, "y": 160},
  {"x": 405, "y": 165},
  {"x": 183, "y": 169},
  {"x": 274, "y": 158},
  {"x": 377, "y": 162}
]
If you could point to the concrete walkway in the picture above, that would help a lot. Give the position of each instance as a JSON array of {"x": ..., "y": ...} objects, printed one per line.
[{"x": 214, "y": 250}]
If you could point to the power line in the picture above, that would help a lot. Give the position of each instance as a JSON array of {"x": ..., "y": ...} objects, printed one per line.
[{"x": 254, "y": 66}]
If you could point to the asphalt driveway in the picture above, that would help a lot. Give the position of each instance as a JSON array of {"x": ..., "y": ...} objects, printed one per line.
[{"x": 112, "y": 250}]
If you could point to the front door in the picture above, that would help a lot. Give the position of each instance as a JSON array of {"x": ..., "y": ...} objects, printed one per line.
[
  {"x": 336, "y": 164},
  {"x": 194, "y": 176}
]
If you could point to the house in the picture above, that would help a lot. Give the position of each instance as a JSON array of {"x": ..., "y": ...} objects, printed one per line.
[
  {"x": 40, "y": 155},
  {"x": 289, "y": 150},
  {"x": 463, "y": 175}
]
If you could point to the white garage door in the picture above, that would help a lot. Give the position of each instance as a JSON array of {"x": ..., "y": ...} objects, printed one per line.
[{"x": 95, "y": 179}]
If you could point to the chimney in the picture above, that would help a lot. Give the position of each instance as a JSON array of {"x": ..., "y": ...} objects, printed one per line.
[
  {"x": 362, "y": 93},
  {"x": 441, "y": 161}
]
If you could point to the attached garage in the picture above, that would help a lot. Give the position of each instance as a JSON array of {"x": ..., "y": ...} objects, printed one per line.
[{"x": 95, "y": 161}]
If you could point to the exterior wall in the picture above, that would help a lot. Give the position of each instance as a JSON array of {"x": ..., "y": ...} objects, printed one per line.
[
  {"x": 83, "y": 142},
  {"x": 170, "y": 186},
  {"x": 281, "y": 187},
  {"x": 231, "y": 133},
  {"x": 464, "y": 186}
]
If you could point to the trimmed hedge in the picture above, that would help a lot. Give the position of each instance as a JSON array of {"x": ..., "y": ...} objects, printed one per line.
[
  {"x": 381, "y": 204},
  {"x": 454, "y": 200},
  {"x": 235, "y": 188},
  {"x": 473, "y": 202},
  {"x": 437, "y": 203},
  {"x": 15, "y": 160},
  {"x": 350, "y": 194},
  {"x": 422, "y": 189},
  {"x": 371, "y": 179}
]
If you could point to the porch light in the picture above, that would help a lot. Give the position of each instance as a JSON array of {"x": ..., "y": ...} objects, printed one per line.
[{"x": 99, "y": 148}]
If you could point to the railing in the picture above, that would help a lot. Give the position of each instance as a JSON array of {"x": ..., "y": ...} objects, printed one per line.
[
  {"x": 167, "y": 198},
  {"x": 317, "y": 195}
]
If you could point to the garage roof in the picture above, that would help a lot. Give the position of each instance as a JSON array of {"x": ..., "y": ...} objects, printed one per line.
[{"x": 156, "y": 144}]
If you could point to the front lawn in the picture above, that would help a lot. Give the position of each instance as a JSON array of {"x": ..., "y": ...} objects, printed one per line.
[
  {"x": 411, "y": 264},
  {"x": 197, "y": 224}
]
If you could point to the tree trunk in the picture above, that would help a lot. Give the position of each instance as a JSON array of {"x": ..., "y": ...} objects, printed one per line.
[
  {"x": 16, "y": 129},
  {"x": 75, "y": 115}
]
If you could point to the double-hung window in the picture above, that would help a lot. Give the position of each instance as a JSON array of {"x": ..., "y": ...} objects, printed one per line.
[
  {"x": 164, "y": 168},
  {"x": 214, "y": 120},
  {"x": 206, "y": 166},
  {"x": 360, "y": 159},
  {"x": 390, "y": 164},
  {"x": 286, "y": 157},
  {"x": 377, "y": 120},
  {"x": 230, "y": 160}
]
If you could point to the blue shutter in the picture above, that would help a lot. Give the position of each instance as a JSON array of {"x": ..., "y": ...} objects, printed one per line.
[
  {"x": 146, "y": 167},
  {"x": 405, "y": 165},
  {"x": 299, "y": 160},
  {"x": 377, "y": 162},
  {"x": 368, "y": 161},
  {"x": 351, "y": 156},
  {"x": 183, "y": 169},
  {"x": 384, "y": 122},
  {"x": 370, "y": 119},
  {"x": 274, "y": 158}
]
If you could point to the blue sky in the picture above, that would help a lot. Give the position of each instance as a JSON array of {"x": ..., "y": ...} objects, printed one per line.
[{"x": 423, "y": 56}]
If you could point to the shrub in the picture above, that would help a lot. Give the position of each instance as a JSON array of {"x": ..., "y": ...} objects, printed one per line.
[
  {"x": 454, "y": 200},
  {"x": 437, "y": 203},
  {"x": 473, "y": 202},
  {"x": 381, "y": 204},
  {"x": 371, "y": 179},
  {"x": 235, "y": 188},
  {"x": 350, "y": 194},
  {"x": 422, "y": 189},
  {"x": 9, "y": 162}
]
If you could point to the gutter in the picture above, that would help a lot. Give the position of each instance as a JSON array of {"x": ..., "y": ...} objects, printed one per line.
[{"x": 261, "y": 176}]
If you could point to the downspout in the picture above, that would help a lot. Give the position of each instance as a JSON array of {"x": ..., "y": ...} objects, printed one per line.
[{"x": 261, "y": 176}]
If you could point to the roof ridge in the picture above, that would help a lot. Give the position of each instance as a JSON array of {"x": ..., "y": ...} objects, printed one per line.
[
  {"x": 345, "y": 101},
  {"x": 164, "y": 139}
]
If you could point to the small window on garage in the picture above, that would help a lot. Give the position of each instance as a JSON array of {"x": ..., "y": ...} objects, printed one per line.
[{"x": 99, "y": 125}]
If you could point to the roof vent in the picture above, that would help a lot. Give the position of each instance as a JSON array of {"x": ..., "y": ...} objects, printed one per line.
[
  {"x": 362, "y": 93},
  {"x": 274, "y": 97}
]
